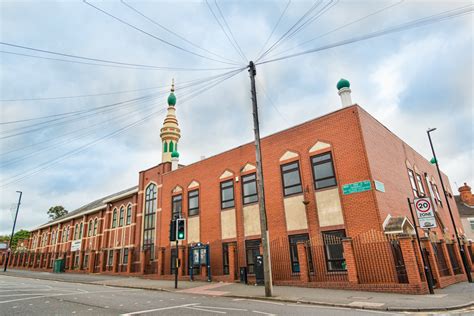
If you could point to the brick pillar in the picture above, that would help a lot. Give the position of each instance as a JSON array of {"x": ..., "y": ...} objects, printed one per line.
[
  {"x": 446, "y": 257},
  {"x": 303, "y": 261},
  {"x": 232, "y": 267},
  {"x": 130, "y": 260},
  {"x": 143, "y": 263},
  {"x": 81, "y": 259},
  {"x": 409, "y": 258},
  {"x": 160, "y": 263},
  {"x": 181, "y": 259},
  {"x": 351, "y": 266},
  {"x": 90, "y": 268},
  {"x": 115, "y": 261},
  {"x": 2, "y": 258},
  {"x": 71, "y": 262},
  {"x": 426, "y": 243}
]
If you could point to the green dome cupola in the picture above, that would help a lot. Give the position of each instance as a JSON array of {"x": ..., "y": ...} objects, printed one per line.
[
  {"x": 172, "y": 97},
  {"x": 343, "y": 83},
  {"x": 175, "y": 154}
]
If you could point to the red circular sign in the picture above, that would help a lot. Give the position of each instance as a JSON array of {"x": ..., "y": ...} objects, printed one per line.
[{"x": 423, "y": 205}]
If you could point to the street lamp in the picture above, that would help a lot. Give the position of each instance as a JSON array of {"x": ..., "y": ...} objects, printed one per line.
[
  {"x": 461, "y": 249},
  {"x": 13, "y": 232}
]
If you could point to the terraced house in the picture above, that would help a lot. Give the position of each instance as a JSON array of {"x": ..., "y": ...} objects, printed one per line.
[{"x": 336, "y": 190}]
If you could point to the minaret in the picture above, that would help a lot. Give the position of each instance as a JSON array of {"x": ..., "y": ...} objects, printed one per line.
[
  {"x": 344, "y": 92},
  {"x": 170, "y": 132}
]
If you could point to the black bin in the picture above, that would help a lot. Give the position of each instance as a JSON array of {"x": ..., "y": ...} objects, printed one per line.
[
  {"x": 259, "y": 269},
  {"x": 243, "y": 275}
]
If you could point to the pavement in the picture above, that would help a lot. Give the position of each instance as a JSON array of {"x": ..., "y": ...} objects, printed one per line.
[{"x": 455, "y": 297}]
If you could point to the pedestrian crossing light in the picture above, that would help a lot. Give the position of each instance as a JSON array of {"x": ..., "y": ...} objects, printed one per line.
[{"x": 180, "y": 229}]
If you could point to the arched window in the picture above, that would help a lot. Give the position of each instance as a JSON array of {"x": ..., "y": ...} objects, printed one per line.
[
  {"x": 165, "y": 146},
  {"x": 95, "y": 227},
  {"x": 76, "y": 231},
  {"x": 121, "y": 216},
  {"x": 89, "y": 232},
  {"x": 149, "y": 218},
  {"x": 80, "y": 231},
  {"x": 171, "y": 147},
  {"x": 114, "y": 219},
  {"x": 129, "y": 214},
  {"x": 67, "y": 233},
  {"x": 53, "y": 237}
]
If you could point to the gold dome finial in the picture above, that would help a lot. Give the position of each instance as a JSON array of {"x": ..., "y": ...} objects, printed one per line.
[{"x": 172, "y": 85}]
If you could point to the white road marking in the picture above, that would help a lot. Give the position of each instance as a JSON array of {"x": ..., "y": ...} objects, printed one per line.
[
  {"x": 64, "y": 294},
  {"x": 225, "y": 308},
  {"x": 263, "y": 313},
  {"x": 260, "y": 301},
  {"x": 205, "y": 310},
  {"x": 159, "y": 309}
]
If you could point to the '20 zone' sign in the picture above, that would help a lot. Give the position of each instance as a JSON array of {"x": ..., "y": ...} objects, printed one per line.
[{"x": 424, "y": 212}]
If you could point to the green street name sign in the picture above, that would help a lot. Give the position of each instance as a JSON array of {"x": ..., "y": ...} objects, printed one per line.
[{"x": 356, "y": 187}]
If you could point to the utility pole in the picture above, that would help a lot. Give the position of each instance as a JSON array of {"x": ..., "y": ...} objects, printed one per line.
[
  {"x": 13, "y": 232},
  {"x": 267, "y": 268},
  {"x": 466, "y": 265}
]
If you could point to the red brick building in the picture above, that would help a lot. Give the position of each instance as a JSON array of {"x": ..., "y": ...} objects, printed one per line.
[{"x": 336, "y": 190}]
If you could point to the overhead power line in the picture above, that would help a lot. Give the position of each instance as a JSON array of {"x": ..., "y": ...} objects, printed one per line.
[
  {"x": 385, "y": 8},
  {"x": 179, "y": 86},
  {"x": 174, "y": 33},
  {"x": 156, "y": 37},
  {"x": 108, "y": 63},
  {"x": 230, "y": 32},
  {"x": 274, "y": 28},
  {"x": 224, "y": 31},
  {"x": 398, "y": 28},
  {"x": 53, "y": 162}
]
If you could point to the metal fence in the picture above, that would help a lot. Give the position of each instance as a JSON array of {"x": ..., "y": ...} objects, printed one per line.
[
  {"x": 454, "y": 259},
  {"x": 440, "y": 259}
]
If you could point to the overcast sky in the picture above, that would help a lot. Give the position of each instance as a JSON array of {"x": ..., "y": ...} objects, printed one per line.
[{"x": 410, "y": 81}]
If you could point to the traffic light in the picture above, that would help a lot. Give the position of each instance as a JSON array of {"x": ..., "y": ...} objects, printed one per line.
[
  {"x": 173, "y": 230},
  {"x": 180, "y": 229}
]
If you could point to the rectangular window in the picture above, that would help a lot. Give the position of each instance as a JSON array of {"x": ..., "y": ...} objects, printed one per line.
[
  {"x": 420, "y": 185},
  {"x": 177, "y": 206},
  {"x": 436, "y": 192},
  {"x": 86, "y": 261},
  {"x": 291, "y": 178},
  {"x": 125, "y": 256},
  {"x": 471, "y": 221},
  {"x": 295, "y": 263},
  {"x": 334, "y": 251},
  {"x": 227, "y": 194},
  {"x": 252, "y": 249},
  {"x": 413, "y": 183},
  {"x": 76, "y": 260},
  {"x": 323, "y": 171},
  {"x": 249, "y": 188},
  {"x": 225, "y": 258},
  {"x": 193, "y": 202},
  {"x": 111, "y": 258}
]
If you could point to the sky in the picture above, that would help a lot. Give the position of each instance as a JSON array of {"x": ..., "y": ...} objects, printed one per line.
[{"x": 409, "y": 81}]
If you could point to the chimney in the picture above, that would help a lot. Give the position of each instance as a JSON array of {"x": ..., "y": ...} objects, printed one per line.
[
  {"x": 466, "y": 194},
  {"x": 344, "y": 91}
]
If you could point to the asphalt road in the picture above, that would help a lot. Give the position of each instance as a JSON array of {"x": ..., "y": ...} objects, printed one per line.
[{"x": 24, "y": 296}]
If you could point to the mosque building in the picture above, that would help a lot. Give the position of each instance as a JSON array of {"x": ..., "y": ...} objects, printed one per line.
[{"x": 336, "y": 190}]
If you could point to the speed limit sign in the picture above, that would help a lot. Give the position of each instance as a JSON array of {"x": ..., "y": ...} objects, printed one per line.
[{"x": 425, "y": 213}]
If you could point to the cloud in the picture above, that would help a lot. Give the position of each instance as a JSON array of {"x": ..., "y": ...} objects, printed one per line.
[{"x": 409, "y": 81}]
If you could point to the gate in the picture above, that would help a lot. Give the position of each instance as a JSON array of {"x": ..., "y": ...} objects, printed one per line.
[
  {"x": 97, "y": 262},
  {"x": 398, "y": 260}
]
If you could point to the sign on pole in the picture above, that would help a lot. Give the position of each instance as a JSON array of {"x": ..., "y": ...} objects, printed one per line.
[{"x": 425, "y": 213}]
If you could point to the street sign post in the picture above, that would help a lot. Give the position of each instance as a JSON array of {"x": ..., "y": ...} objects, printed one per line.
[{"x": 425, "y": 213}]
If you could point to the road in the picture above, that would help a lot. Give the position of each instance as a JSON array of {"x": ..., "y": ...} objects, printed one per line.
[{"x": 25, "y": 296}]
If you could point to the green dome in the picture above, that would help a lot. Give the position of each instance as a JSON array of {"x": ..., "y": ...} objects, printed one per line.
[
  {"x": 175, "y": 154},
  {"x": 172, "y": 99},
  {"x": 343, "y": 83}
]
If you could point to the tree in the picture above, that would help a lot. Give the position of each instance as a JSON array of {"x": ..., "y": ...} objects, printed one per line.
[
  {"x": 19, "y": 235},
  {"x": 57, "y": 211}
]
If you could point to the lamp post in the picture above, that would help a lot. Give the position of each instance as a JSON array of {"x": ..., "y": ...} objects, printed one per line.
[
  {"x": 13, "y": 232},
  {"x": 461, "y": 249}
]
